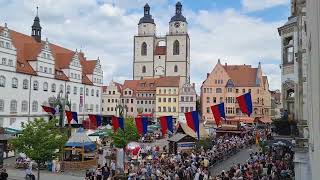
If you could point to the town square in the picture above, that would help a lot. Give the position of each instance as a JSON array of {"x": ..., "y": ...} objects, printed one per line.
[{"x": 159, "y": 90}]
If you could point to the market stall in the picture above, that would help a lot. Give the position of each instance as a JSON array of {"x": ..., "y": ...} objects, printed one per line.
[{"x": 80, "y": 151}]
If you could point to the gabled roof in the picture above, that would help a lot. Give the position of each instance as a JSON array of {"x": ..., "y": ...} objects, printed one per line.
[
  {"x": 168, "y": 81},
  {"x": 28, "y": 49},
  {"x": 242, "y": 75}
]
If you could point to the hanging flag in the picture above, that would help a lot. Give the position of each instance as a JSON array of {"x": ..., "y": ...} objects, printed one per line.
[
  {"x": 218, "y": 113},
  {"x": 69, "y": 116},
  {"x": 75, "y": 117},
  {"x": 95, "y": 120},
  {"x": 117, "y": 122},
  {"x": 245, "y": 103},
  {"x": 49, "y": 109},
  {"x": 193, "y": 122},
  {"x": 142, "y": 125},
  {"x": 166, "y": 124},
  {"x": 72, "y": 115}
]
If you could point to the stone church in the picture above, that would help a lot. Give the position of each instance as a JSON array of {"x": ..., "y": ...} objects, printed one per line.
[{"x": 157, "y": 56}]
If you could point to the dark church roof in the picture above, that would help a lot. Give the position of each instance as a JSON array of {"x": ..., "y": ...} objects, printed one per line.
[
  {"x": 147, "y": 18},
  {"x": 178, "y": 16}
]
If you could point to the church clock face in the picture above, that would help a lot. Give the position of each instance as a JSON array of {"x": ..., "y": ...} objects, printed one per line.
[{"x": 177, "y": 24}]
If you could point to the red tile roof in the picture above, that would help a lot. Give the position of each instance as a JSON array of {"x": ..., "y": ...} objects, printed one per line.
[
  {"x": 242, "y": 75},
  {"x": 160, "y": 50},
  {"x": 28, "y": 49},
  {"x": 168, "y": 81}
]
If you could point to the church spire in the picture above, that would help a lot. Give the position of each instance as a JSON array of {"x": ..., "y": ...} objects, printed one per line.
[
  {"x": 147, "y": 17},
  {"x": 36, "y": 28}
]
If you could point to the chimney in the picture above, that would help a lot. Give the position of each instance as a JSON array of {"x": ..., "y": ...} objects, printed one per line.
[{"x": 208, "y": 74}]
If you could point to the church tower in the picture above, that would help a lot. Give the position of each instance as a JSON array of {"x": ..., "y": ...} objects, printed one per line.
[
  {"x": 144, "y": 46},
  {"x": 156, "y": 56},
  {"x": 178, "y": 47},
  {"x": 36, "y": 28}
]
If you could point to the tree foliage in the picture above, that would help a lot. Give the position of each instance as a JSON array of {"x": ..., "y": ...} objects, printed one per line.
[
  {"x": 40, "y": 140},
  {"x": 122, "y": 138}
]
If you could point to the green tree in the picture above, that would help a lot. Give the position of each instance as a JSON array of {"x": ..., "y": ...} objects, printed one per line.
[
  {"x": 40, "y": 140},
  {"x": 122, "y": 138}
]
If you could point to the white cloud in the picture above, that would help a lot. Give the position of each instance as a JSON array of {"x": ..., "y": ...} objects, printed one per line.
[
  {"x": 106, "y": 30},
  {"x": 256, "y": 5},
  {"x": 110, "y": 10}
]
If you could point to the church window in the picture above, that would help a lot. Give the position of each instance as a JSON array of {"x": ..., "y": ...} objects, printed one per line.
[
  {"x": 45, "y": 86},
  {"x": 144, "y": 49},
  {"x": 13, "y": 106},
  {"x": 144, "y": 69},
  {"x": 175, "y": 68},
  {"x": 176, "y": 47}
]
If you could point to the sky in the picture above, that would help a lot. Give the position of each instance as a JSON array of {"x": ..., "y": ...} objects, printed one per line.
[{"x": 234, "y": 31}]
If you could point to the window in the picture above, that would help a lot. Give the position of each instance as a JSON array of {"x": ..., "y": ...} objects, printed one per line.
[
  {"x": 113, "y": 92},
  {"x": 164, "y": 109},
  {"x": 164, "y": 100},
  {"x": 14, "y": 83},
  {"x": 10, "y": 62},
  {"x": 243, "y": 90},
  {"x": 229, "y": 89},
  {"x": 91, "y": 107},
  {"x": 45, "y": 86},
  {"x": 214, "y": 100},
  {"x": 159, "y": 99},
  {"x": 41, "y": 69},
  {"x": 175, "y": 68},
  {"x": 169, "y": 109},
  {"x": 174, "y": 100},
  {"x": 61, "y": 88},
  {"x": 208, "y": 110},
  {"x": 176, "y": 47},
  {"x": 187, "y": 99},
  {"x": 221, "y": 99},
  {"x": 144, "y": 51},
  {"x": 75, "y": 89},
  {"x": 1, "y": 119},
  {"x": 25, "y": 84},
  {"x": 53, "y": 87},
  {"x": 97, "y": 108},
  {"x": 24, "y": 106},
  {"x": 159, "y": 109},
  {"x": 4, "y": 61},
  {"x": 68, "y": 89},
  {"x": 7, "y": 45},
  {"x": 81, "y": 91},
  {"x": 249, "y": 90},
  {"x": 97, "y": 93},
  {"x": 131, "y": 101},
  {"x": 191, "y": 99},
  {"x": 35, "y": 85},
  {"x": 1, "y": 105},
  {"x": 218, "y": 90},
  {"x": 174, "y": 109},
  {"x": 12, "y": 120},
  {"x": 182, "y": 109},
  {"x": 237, "y": 90},
  {"x": 208, "y": 99},
  {"x": 92, "y": 92},
  {"x": 45, "y": 69},
  {"x": 191, "y": 108},
  {"x": 13, "y": 106},
  {"x": 169, "y": 99},
  {"x": 182, "y": 98},
  {"x": 144, "y": 69},
  {"x": 2, "y": 81}
]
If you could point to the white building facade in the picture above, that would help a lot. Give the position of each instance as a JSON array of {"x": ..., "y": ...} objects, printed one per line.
[
  {"x": 32, "y": 71},
  {"x": 187, "y": 99},
  {"x": 111, "y": 99},
  {"x": 156, "y": 56},
  {"x": 313, "y": 47}
]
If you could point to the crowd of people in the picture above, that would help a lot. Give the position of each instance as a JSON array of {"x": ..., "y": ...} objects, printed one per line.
[
  {"x": 194, "y": 165},
  {"x": 274, "y": 164}
]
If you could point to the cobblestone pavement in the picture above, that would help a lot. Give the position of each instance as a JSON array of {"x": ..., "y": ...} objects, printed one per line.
[{"x": 241, "y": 157}]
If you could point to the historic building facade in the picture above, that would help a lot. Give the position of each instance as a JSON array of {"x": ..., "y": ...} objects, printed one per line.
[
  {"x": 226, "y": 82},
  {"x": 294, "y": 70},
  {"x": 32, "y": 71},
  {"x": 313, "y": 103},
  {"x": 157, "y": 56},
  {"x": 111, "y": 99},
  {"x": 167, "y": 97},
  {"x": 187, "y": 99},
  {"x": 276, "y": 104}
]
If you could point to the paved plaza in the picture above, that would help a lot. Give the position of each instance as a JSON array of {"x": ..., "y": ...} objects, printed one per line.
[{"x": 241, "y": 157}]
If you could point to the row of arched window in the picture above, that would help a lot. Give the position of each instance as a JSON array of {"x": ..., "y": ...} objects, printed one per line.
[
  {"x": 35, "y": 106},
  {"x": 14, "y": 106},
  {"x": 25, "y": 85},
  {"x": 175, "y": 69},
  {"x": 175, "y": 50}
]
